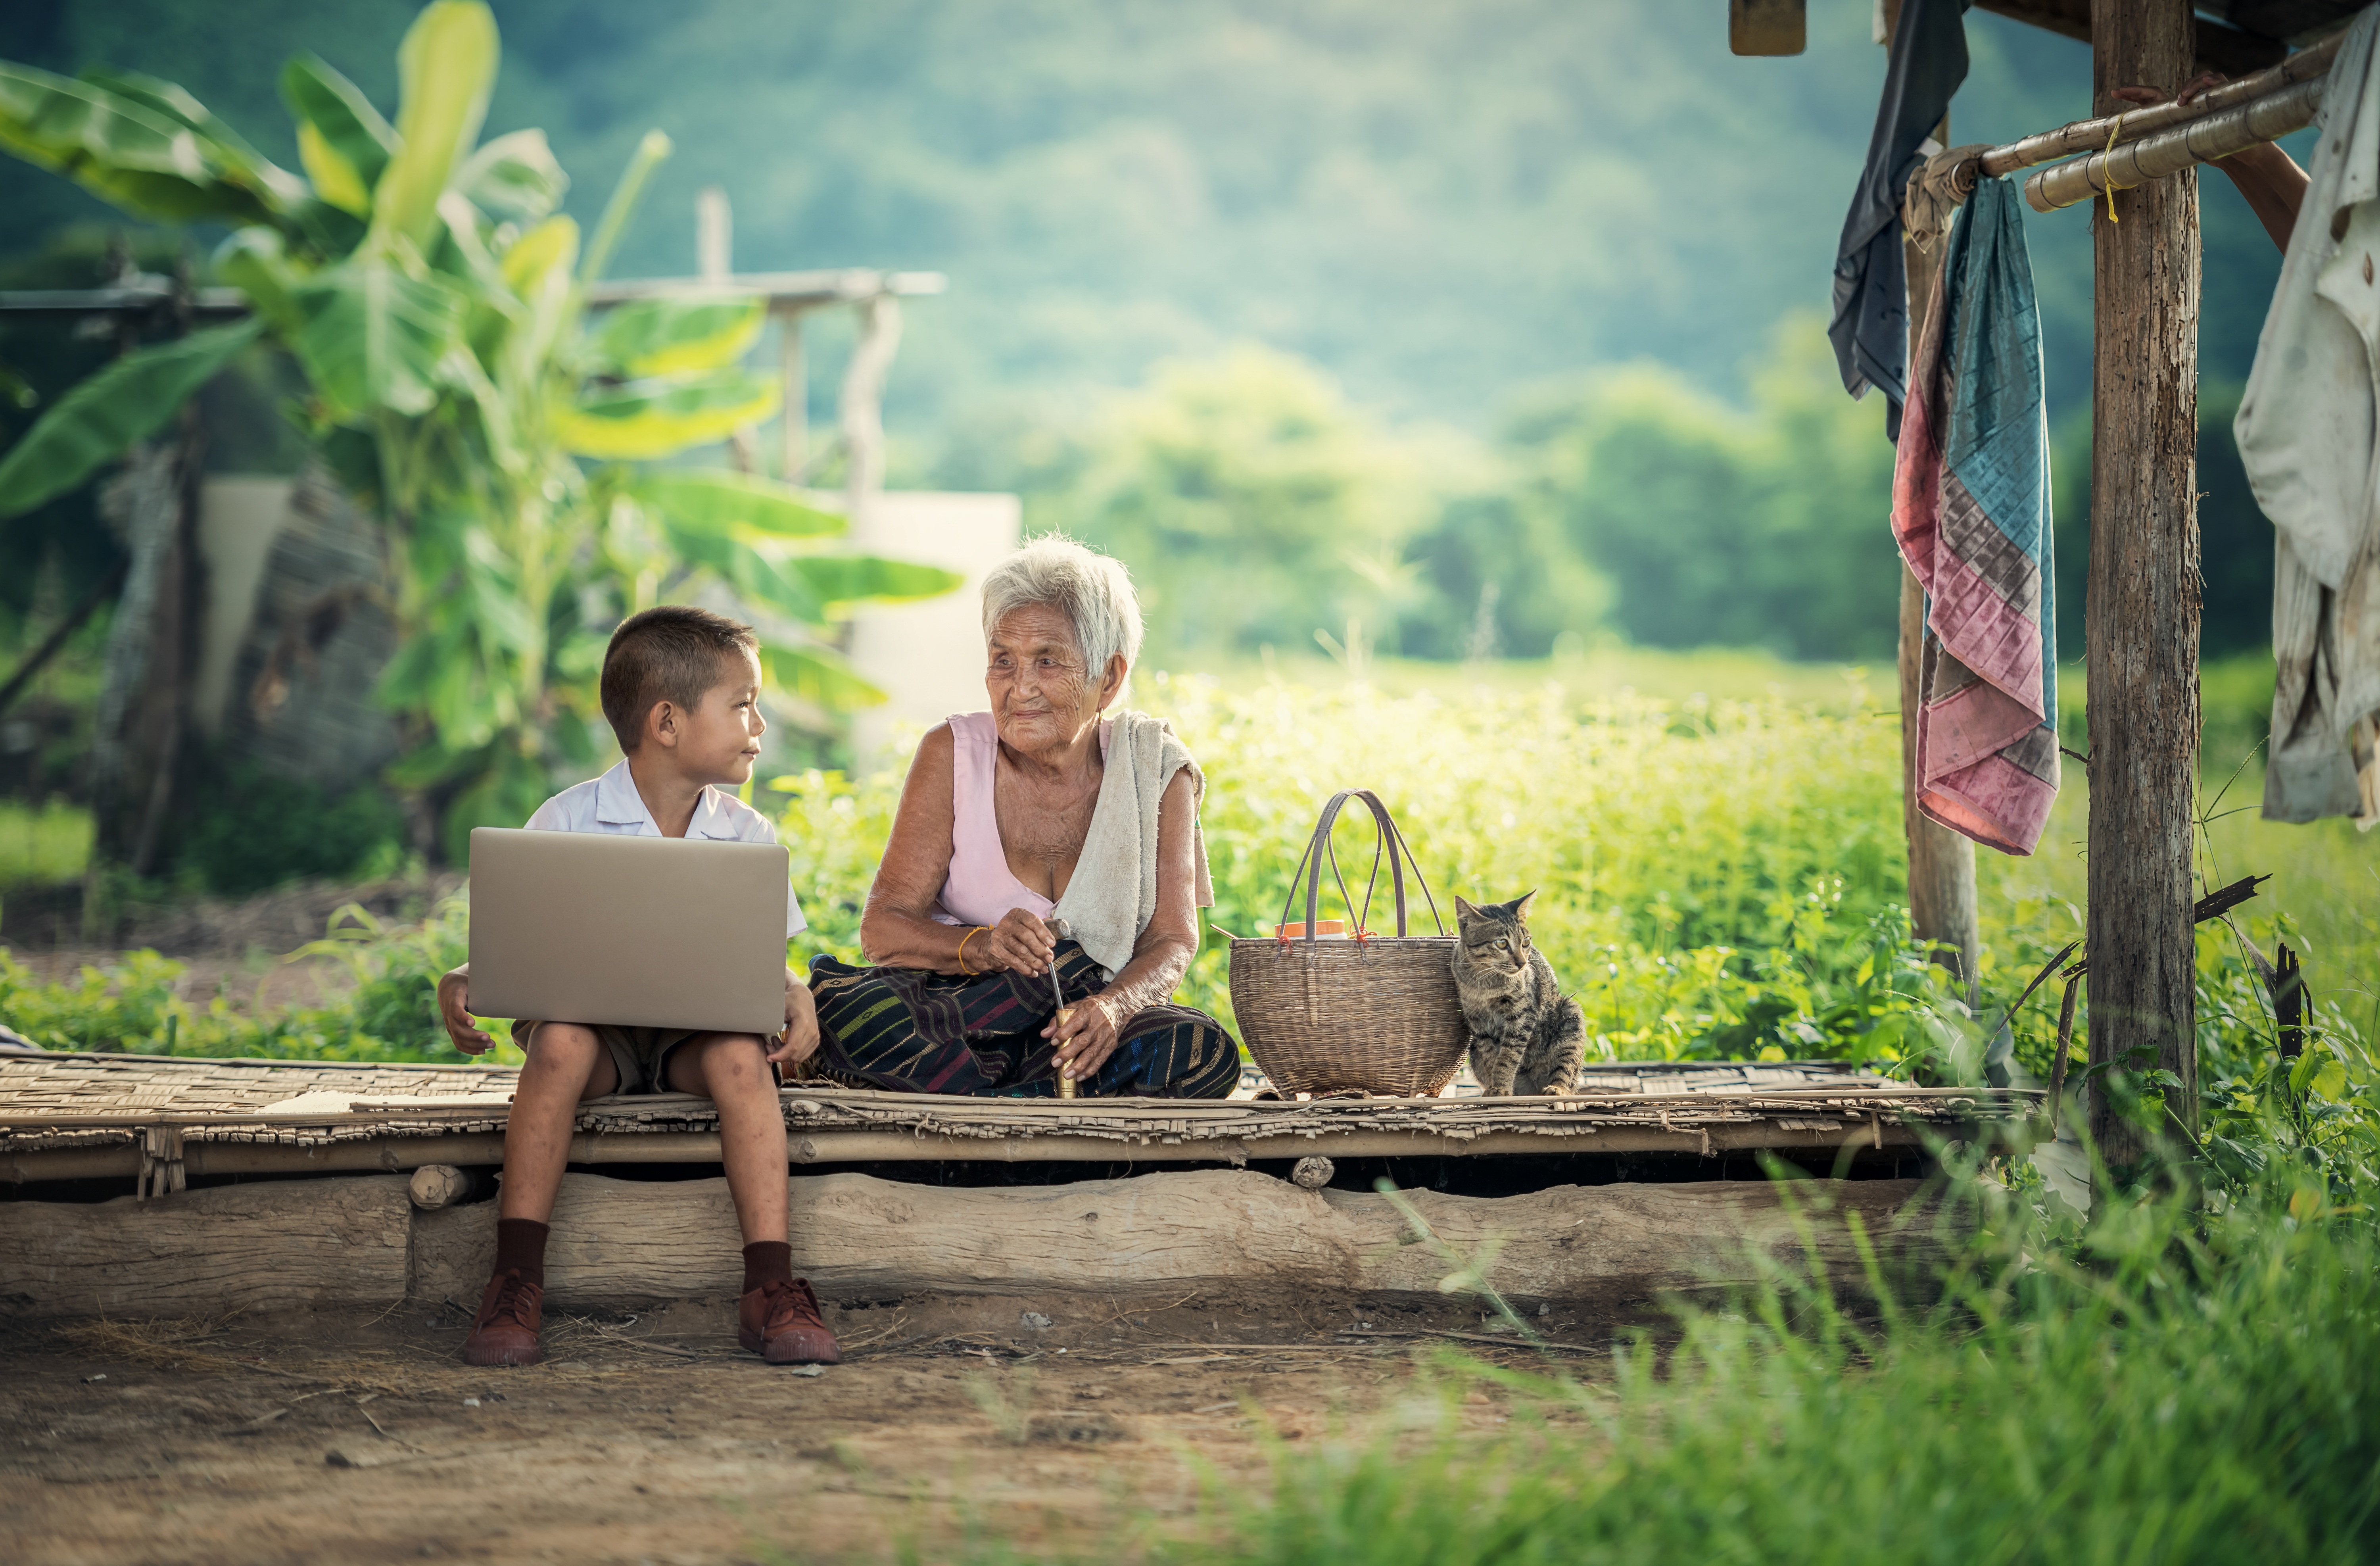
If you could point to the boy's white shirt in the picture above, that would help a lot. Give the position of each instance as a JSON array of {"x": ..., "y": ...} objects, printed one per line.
[{"x": 610, "y": 804}]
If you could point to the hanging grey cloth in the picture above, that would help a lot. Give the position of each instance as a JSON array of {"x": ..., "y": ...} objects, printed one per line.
[
  {"x": 1871, "y": 322},
  {"x": 2307, "y": 437}
]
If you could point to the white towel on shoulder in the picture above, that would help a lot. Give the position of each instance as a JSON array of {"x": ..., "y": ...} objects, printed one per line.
[{"x": 1113, "y": 894}]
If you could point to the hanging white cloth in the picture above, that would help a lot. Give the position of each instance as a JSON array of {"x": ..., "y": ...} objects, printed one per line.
[{"x": 2309, "y": 434}]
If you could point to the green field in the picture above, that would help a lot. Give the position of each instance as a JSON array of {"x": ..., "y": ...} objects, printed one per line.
[
  {"x": 44, "y": 847},
  {"x": 1714, "y": 838},
  {"x": 2186, "y": 1378}
]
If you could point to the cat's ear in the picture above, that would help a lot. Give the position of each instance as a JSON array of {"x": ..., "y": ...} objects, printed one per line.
[
  {"x": 1463, "y": 910},
  {"x": 1520, "y": 905}
]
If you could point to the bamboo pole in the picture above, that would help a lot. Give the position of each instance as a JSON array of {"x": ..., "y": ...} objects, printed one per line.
[
  {"x": 1942, "y": 907},
  {"x": 2267, "y": 118},
  {"x": 2143, "y": 606},
  {"x": 2133, "y": 125}
]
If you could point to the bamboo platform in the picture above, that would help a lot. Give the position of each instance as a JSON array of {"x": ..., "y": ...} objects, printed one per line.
[{"x": 162, "y": 1120}]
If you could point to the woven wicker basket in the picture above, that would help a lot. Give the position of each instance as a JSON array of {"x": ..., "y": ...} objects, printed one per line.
[{"x": 1378, "y": 1015}]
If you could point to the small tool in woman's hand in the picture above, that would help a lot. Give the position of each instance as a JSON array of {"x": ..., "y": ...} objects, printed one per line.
[{"x": 1062, "y": 930}]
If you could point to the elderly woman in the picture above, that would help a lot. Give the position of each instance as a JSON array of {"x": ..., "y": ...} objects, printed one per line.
[{"x": 1039, "y": 813}]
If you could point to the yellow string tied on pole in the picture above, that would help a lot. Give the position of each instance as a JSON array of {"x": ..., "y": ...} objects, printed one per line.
[{"x": 2107, "y": 167}]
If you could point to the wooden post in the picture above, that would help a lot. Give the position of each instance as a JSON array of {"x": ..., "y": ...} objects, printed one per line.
[
  {"x": 1942, "y": 911},
  {"x": 2143, "y": 602},
  {"x": 863, "y": 405},
  {"x": 714, "y": 256},
  {"x": 1768, "y": 27},
  {"x": 1941, "y": 863},
  {"x": 794, "y": 435}
]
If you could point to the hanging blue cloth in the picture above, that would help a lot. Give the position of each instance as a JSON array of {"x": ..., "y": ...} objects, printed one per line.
[{"x": 1871, "y": 321}]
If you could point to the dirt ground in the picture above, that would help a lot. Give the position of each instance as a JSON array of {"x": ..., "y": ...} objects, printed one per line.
[{"x": 651, "y": 1438}]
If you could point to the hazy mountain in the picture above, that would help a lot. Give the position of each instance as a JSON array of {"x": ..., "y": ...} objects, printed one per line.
[{"x": 1437, "y": 203}]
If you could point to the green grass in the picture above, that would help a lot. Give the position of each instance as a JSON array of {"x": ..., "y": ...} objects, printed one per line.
[
  {"x": 2173, "y": 1385},
  {"x": 44, "y": 847},
  {"x": 2190, "y": 1377},
  {"x": 1714, "y": 838}
]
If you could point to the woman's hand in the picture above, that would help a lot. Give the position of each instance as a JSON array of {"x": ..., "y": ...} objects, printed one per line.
[
  {"x": 1018, "y": 943},
  {"x": 799, "y": 1040},
  {"x": 1085, "y": 1036},
  {"x": 455, "y": 1011}
]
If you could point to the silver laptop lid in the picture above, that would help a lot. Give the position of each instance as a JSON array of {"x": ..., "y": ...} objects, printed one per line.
[{"x": 635, "y": 931}]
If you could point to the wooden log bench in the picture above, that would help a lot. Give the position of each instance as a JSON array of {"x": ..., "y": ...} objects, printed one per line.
[{"x": 1213, "y": 1211}]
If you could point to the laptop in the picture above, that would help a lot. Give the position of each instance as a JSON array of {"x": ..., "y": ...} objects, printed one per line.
[{"x": 638, "y": 931}]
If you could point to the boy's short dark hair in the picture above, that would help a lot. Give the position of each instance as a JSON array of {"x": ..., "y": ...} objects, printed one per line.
[{"x": 673, "y": 653}]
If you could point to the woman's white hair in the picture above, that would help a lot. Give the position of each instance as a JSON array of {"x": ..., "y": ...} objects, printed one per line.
[{"x": 1092, "y": 591}]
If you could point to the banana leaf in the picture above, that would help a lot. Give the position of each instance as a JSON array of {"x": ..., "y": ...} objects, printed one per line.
[
  {"x": 125, "y": 153},
  {"x": 445, "y": 67},
  {"x": 536, "y": 254},
  {"x": 514, "y": 177},
  {"x": 753, "y": 577},
  {"x": 225, "y": 147},
  {"x": 373, "y": 338},
  {"x": 644, "y": 419},
  {"x": 254, "y": 261},
  {"x": 730, "y": 504},
  {"x": 842, "y": 580},
  {"x": 817, "y": 677},
  {"x": 677, "y": 337},
  {"x": 342, "y": 140},
  {"x": 126, "y": 401}
]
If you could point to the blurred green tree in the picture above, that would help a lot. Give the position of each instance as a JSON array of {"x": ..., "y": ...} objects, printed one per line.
[
  {"x": 1767, "y": 526},
  {"x": 435, "y": 299},
  {"x": 1256, "y": 506}
]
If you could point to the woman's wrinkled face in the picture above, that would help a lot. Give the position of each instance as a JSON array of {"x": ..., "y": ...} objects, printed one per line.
[{"x": 1042, "y": 691}]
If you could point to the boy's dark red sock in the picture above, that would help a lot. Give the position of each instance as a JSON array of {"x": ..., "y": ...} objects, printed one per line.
[
  {"x": 520, "y": 1246},
  {"x": 766, "y": 1262}
]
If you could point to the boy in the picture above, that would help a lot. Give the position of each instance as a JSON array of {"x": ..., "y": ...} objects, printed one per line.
[{"x": 681, "y": 688}]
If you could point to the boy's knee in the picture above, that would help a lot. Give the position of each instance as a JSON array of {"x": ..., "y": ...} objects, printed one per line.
[
  {"x": 737, "y": 1062},
  {"x": 559, "y": 1039}
]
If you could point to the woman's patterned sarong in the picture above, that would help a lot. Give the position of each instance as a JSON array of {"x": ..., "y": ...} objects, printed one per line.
[{"x": 914, "y": 1032}]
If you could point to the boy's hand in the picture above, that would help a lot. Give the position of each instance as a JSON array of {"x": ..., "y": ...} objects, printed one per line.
[
  {"x": 799, "y": 1041},
  {"x": 455, "y": 1011}
]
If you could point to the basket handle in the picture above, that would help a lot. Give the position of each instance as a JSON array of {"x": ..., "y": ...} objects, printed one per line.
[{"x": 1390, "y": 840}]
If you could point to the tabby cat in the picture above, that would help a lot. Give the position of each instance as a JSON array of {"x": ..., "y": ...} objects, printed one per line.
[{"x": 1526, "y": 1035}]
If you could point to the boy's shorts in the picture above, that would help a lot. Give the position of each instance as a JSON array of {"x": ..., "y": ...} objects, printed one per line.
[{"x": 640, "y": 1054}]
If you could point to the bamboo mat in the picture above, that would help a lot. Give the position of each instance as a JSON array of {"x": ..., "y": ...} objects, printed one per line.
[{"x": 59, "y": 1101}]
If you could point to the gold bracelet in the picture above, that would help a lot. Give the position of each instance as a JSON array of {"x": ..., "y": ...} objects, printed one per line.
[{"x": 965, "y": 971}]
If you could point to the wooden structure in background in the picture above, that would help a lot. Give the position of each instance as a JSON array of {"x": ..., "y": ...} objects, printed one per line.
[
  {"x": 153, "y": 652},
  {"x": 1768, "y": 27},
  {"x": 2142, "y": 609}
]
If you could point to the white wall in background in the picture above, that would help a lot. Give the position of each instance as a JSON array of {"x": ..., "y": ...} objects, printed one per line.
[
  {"x": 928, "y": 656},
  {"x": 238, "y": 516}
]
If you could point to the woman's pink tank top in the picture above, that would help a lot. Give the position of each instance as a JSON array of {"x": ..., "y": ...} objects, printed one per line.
[{"x": 981, "y": 887}]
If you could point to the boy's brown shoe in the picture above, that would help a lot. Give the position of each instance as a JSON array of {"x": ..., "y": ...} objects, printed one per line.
[
  {"x": 505, "y": 1332},
  {"x": 779, "y": 1322}
]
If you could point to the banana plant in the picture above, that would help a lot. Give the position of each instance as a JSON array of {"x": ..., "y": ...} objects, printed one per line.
[{"x": 435, "y": 295}]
